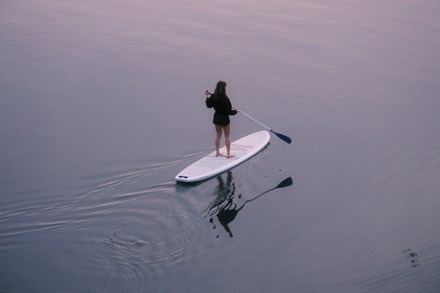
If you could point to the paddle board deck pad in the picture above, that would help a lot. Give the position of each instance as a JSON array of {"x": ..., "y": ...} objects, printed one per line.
[{"x": 210, "y": 165}]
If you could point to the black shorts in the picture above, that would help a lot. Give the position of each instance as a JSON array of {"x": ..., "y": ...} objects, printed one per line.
[{"x": 221, "y": 119}]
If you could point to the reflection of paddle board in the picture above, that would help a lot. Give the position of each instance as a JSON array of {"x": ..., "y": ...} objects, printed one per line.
[{"x": 210, "y": 165}]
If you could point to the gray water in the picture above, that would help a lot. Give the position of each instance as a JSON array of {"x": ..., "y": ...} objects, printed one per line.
[{"x": 102, "y": 105}]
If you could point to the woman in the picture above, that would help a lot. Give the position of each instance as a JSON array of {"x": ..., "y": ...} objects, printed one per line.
[{"x": 223, "y": 108}]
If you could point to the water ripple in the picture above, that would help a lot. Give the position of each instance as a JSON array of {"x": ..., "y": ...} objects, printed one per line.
[{"x": 418, "y": 271}]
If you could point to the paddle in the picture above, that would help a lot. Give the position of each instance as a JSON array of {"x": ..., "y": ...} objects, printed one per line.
[{"x": 281, "y": 136}]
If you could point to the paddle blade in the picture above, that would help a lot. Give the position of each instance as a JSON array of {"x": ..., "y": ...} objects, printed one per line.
[
  {"x": 285, "y": 183},
  {"x": 282, "y": 136}
]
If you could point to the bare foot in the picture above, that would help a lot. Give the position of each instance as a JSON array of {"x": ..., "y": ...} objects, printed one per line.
[
  {"x": 231, "y": 156},
  {"x": 218, "y": 154}
]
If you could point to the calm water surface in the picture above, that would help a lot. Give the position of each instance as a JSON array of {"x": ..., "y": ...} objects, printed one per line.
[{"x": 102, "y": 105}]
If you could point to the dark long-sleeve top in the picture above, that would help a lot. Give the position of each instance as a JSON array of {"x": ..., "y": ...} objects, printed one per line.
[{"x": 223, "y": 108}]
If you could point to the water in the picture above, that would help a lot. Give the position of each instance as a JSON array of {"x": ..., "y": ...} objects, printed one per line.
[{"x": 102, "y": 104}]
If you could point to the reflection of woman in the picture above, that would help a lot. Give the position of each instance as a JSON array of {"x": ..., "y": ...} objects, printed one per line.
[
  {"x": 227, "y": 214},
  {"x": 223, "y": 108},
  {"x": 223, "y": 205}
]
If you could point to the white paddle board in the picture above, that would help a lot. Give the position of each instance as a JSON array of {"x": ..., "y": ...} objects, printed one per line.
[{"x": 210, "y": 165}]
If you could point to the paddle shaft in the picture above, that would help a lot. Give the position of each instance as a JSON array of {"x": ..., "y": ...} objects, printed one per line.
[
  {"x": 255, "y": 120},
  {"x": 283, "y": 137}
]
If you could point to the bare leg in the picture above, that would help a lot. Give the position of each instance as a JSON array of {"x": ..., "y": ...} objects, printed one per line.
[
  {"x": 218, "y": 131},
  {"x": 227, "y": 131}
]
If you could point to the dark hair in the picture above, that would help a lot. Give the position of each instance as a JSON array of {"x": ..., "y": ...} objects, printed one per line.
[{"x": 220, "y": 89}]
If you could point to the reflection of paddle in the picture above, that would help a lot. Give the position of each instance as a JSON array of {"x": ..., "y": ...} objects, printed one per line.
[
  {"x": 227, "y": 213},
  {"x": 285, "y": 183}
]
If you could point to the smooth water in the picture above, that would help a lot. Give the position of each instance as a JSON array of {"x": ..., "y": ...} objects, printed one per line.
[{"x": 102, "y": 105}]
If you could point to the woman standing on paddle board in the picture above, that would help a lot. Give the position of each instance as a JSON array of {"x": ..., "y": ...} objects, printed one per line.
[{"x": 223, "y": 108}]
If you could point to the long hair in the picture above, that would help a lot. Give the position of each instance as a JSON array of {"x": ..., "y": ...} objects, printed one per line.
[{"x": 220, "y": 89}]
